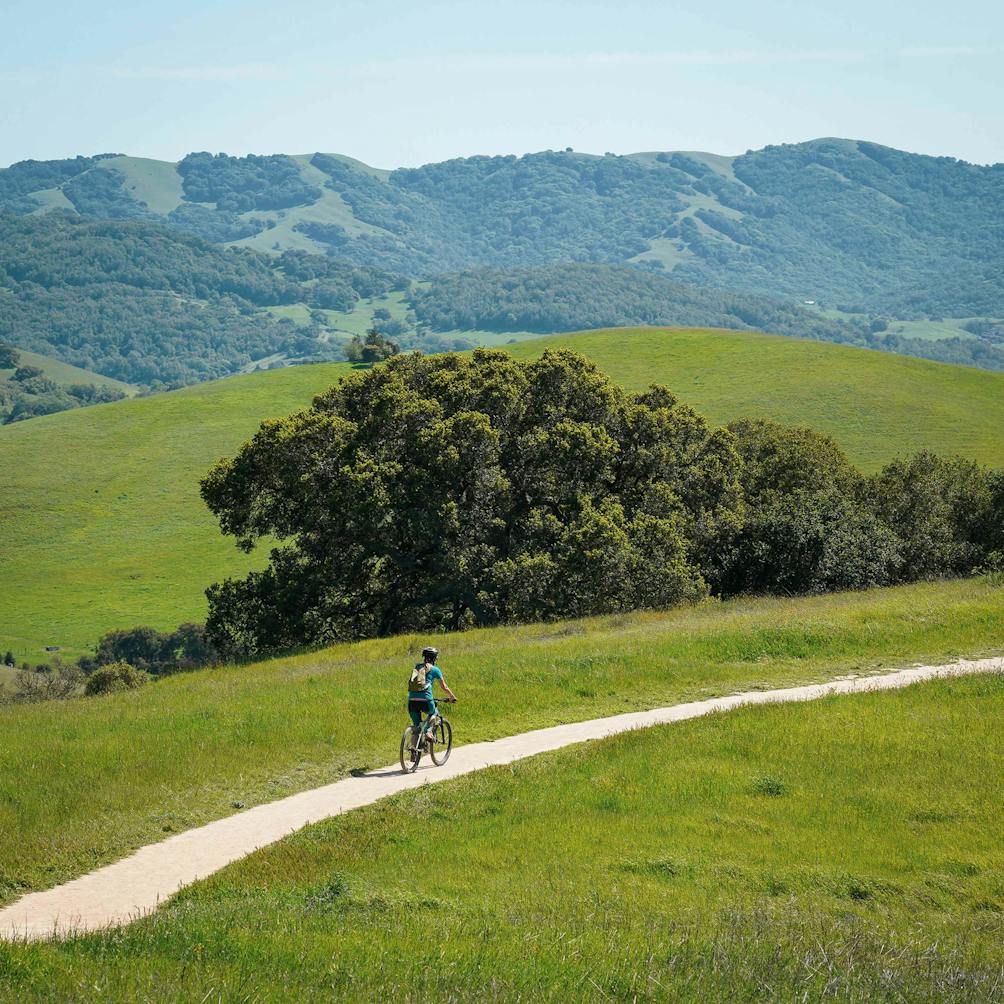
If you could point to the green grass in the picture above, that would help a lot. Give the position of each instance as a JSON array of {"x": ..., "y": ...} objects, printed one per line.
[
  {"x": 81, "y": 782},
  {"x": 106, "y": 527},
  {"x": 346, "y": 322},
  {"x": 931, "y": 331},
  {"x": 299, "y": 313},
  {"x": 51, "y": 198},
  {"x": 876, "y": 405},
  {"x": 155, "y": 182},
  {"x": 109, "y": 530},
  {"x": 360, "y": 320},
  {"x": 64, "y": 373},
  {"x": 846, "y": 849}
]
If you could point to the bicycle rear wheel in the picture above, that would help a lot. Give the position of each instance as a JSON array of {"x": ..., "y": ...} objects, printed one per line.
[
  {"x": 442, "y": 742},
  {"x": 410, "y": 753}
]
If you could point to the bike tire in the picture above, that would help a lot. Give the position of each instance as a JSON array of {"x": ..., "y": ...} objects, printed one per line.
[
  {"x": 442, "y": 736},
  {"x": 410, "y": 756}
]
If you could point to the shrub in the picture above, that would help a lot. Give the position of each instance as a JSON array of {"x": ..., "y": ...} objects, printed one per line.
[
  {"x": 942, "y": 510},
  {"x": 806, "y": 528},
  {"x": 812, "y": 542},
  {"x": 151, "y": 650},
  {"x": 56, "y": 684},
  {"x": 993, "y": 568},
  {"x": 769, "y": 786},
  {"x": 113, "y": 677}
]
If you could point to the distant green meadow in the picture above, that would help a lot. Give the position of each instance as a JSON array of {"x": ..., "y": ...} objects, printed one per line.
[
  {"x": 845, "y": 849},
  {"x": 84, "y": 781},
  {"x": 107, "y": 530},
  {"x": 876, "y": 405},
  {"x": 64, "y": 373}
]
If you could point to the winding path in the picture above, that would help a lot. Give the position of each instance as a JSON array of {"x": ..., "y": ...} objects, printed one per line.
[{"x": 126, "y": 890}]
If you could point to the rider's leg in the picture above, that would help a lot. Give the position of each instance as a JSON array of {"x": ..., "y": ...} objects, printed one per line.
[
  {"x": 430, "y": 721},
  {"x": 414, "y": 712}
]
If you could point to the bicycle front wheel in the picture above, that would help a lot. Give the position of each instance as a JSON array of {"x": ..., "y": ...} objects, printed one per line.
[
  {"x": 410, "y": 752},
  {"x": 442, "y": 742}
]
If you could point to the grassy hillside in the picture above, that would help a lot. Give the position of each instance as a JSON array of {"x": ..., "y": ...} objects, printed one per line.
[
  {"x": 875, "y": 405},
  {"x": 191, "y": 747},
  {"x": 840, "y": 850},
  {"x": 107, "y": 526},
  {"x": 109, "y": 530},
  {"x": 40, "y": 385},
  {"x": 64, "y": 373}
]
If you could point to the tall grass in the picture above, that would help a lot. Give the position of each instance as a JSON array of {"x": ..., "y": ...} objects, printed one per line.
[
  {"x": 652, "y": 866},
  {"x": 82, "y": 782}
]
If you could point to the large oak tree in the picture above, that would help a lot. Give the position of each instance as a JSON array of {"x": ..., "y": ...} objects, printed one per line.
[{"x": 454, "y": 490}]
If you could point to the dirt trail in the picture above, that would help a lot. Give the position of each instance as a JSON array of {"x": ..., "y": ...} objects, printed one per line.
[{"x": 123, "y": 891}]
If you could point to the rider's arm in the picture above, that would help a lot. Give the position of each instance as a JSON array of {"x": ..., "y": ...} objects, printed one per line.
[{"x": 449, "y": 693}]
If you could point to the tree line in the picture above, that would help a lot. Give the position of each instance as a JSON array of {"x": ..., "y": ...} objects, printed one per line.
[
  {"x": 871, "y": 229},
  {"x": 149, "y": 305},
  {"x": 452, "y": 491},
  {"x": 27, "y": 392}
]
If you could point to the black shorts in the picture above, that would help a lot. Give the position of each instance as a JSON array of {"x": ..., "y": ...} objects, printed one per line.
[{"x": 420, "y": 704}]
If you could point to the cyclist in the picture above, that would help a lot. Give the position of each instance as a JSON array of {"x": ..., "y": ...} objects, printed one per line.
[{"x": 420, "y": 684}]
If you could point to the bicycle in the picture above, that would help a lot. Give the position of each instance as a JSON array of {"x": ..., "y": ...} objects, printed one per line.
[{"x": 437, "y": 743}]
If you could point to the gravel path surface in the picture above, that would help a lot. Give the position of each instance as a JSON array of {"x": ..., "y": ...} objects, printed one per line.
[{"x": 125, "y": 890}]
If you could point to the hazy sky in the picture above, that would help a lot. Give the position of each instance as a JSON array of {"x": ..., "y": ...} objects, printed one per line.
[{"x": 404, "y": 83}]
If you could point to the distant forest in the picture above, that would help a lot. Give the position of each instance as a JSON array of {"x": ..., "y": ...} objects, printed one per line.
[
  {"x": 573, "y": 297},
  {"x": 866, "y": 228},
  {"x": 151, "y": 305}
]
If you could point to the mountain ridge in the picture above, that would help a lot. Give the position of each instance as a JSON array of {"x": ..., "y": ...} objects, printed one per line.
[
  {"x": 582, "y": 153},
  {"x": 857, "y": 224}
]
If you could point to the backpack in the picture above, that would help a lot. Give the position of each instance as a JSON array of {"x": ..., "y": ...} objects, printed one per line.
[{"x": 418, "y": 682}]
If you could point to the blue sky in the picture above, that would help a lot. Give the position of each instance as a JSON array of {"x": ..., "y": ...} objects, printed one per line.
[{"x": 406, "y": 83}]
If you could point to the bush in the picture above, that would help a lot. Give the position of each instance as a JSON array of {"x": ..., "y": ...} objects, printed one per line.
[
  {"x": 942, "y": 510},
  {"x": 56, "y": 683},
  {"x": 812, "y": 542},
  {"x": 115, "y": 676},
  {"x": 806, "y": 528},
  {"x": 993, "y": 568},
  {"x": 153, "y": 651}
]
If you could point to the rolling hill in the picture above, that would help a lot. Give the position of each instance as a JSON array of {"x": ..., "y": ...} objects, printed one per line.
[
  {"x": 141, "y": 302},
  {"x": 851, "y": 222},
  {"x": 64, "y": 374},
  {"x": 33, "y": 385},
  {"x": 841, "y": 850},
  {"x": 106, "y": 528},
  {"x": 875, "y": 405},
  {"x": 194, "y": 746}
]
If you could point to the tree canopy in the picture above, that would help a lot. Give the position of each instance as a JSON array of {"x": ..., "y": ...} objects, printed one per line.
[
  {"x": 444, "y": 491},
  {"x": 449, "y": 490}
]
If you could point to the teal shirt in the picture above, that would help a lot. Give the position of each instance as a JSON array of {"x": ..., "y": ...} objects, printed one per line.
[{"x": 434, "y": 674}]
